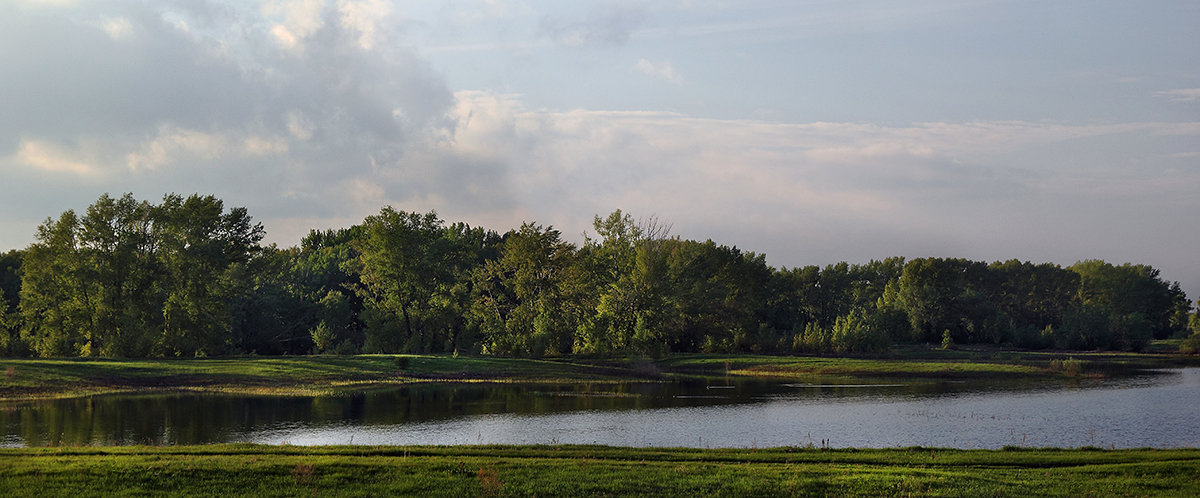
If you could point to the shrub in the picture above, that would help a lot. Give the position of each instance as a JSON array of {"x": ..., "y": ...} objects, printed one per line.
[
  {"x": 1191, "y": 345},
  {"x": 1133, "y": 332},
  {"x": 322, "y": 338},
  {"x": 1070, "y": 366},
  {"x": 346, "y": 348},
  {"x": 814, "y": 339},
  {"x": 1085, "y": 327},
  {"x": 853, "y": 333},
  {"x": 947, "y": 340}
]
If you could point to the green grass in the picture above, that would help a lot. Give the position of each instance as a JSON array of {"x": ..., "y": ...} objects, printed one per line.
[
  {"x": 793, "y": 367},
  {"x": 319, "y": 375},
  {"x": 245, "y": 470},
  {"x": 304, "y": 375}
]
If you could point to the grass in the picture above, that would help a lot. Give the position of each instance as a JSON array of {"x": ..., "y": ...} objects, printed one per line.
[
  {"x": 321, "y": 375},
  {"x": 798, "y": 367},
  {"x": 246, "y": 470},
  {"x": 303, "y": 375}
]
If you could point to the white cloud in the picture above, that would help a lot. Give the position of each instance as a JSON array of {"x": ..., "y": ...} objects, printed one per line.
[
  {"x": 117, "y": 28},
  {"x": 284, "y": 37},
  {"x": 299, "y": 126},
  {"x": 1182, "y": 94},
  {"x": 171, "y": 143},
  {"x": 49, "y": 157},
  {"x": 296, "y": 20},
  {"x": 365, "y": 17},
  {"x": 663, "y": 71},
  {"x": 885, "y": 189},
  {"x": 264, "y": 146}
]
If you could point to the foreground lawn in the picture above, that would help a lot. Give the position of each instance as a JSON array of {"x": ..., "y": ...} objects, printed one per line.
[
  {"x": 319, "y": 375},
  {"x": 245, "y": 470}
]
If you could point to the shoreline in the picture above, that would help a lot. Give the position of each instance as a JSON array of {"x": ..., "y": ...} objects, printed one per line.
[{"x": 65, "y": 378}]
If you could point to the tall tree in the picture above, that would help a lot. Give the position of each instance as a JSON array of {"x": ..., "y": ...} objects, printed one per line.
[
  {"x": 10, "y": 288},
  {"x": 204, "y": 251},
  {"x": 55, "y": 300},
  {"x": 414, "y": 271},
  {"x": 131, "y": 279},
  {"x": 1127, "y": 289},
  {"x": 940, "y": 295},
  {"x": 521, "y": 297}
]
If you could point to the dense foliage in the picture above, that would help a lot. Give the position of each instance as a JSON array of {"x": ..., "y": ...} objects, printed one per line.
[{"x": 186, "y": 277}]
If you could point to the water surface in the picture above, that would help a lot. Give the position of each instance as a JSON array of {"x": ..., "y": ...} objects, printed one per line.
[{"x": 1159, "y": 410}]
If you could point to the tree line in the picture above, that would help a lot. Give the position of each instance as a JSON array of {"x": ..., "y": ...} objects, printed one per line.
[{"x": 186, "y": 277}]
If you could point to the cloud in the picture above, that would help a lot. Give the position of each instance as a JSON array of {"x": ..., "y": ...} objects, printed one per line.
[
  {"x": 49, "y": 157},
  {"x": 205, "y": 97},
  {"x": 1182, "y": 94},
  {"x": 817, "y": 192},
  {"x": 297, "y": 19},
  {"x": 117, "y": 28},
  {"x": 367, "y": 18},
  {"x": 663, "y": 71}
]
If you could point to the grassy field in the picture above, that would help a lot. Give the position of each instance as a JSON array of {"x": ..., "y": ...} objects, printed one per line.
[
  {"x": 316, "y": 375},
  {"x": 243, "y": 470}
]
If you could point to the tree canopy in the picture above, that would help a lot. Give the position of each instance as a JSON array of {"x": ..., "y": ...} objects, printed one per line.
[{"x": 188, "y": 277}]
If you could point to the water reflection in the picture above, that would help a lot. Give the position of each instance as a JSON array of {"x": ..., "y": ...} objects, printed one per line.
[{"x": 1151, "y": 410}]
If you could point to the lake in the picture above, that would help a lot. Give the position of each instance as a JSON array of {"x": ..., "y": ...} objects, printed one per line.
[{"x": 1158, "y": 409}]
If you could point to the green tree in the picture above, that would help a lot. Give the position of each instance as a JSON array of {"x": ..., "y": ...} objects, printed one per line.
[
  {"x": 854, "y": 333},
  {"x": 119, "y": 269},
  {"x": 1034, "y": 295},
  {"x": 131, "y": 279},
  {"x": 10, "y": 277},
  {"x": 609, "y": 325},
  {"x": 55, "y": 302},
  {"x": 521, "y": 297},
  {"x": 415, "y": 276},
  {"x": 10, "y": 318},
  {"x": 273, "y": 311},
  {"x": 633, "y": 308},
  {"x": 718, "y": 299},
  {"x": 204, "y": 253},
  {"x": 945, "y": 294},
  {"x": 1126, "y": 289}
]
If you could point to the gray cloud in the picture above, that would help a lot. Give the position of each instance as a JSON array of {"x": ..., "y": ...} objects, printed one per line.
[{"x": 288, "y": 119}]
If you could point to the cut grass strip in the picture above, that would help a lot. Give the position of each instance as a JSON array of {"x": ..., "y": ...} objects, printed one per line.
[{"x": 246, "y": 470}]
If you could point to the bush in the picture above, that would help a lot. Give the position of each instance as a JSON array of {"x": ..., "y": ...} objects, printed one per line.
[
  {"x": 322, "y": 338},
  {"x": 1132, "y": 332},
  {"x": 346, "y": 348},
  {"x": 814, "y": 339},
  {"x": 853, "y": 333},
  {"x": 1191, "y": 345},
  {"x": 947, "y": 340},
  {"x": 1070, "y": 366},
  {"x": 1085, "y": 327}
]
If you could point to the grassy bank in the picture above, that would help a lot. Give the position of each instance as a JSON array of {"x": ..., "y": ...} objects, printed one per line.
[
  {"x": 315, "y": 375},
  {"x": 295, "y": 375},
  {"x": 586, "y": 470}
]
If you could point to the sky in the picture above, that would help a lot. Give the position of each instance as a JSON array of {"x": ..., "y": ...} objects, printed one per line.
[{"x": 811, "y": 131}]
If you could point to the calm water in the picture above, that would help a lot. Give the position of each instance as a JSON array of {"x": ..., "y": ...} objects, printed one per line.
[{"x": 1160, "y": 410}]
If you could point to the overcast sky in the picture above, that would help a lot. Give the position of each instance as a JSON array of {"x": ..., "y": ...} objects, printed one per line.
[{"x": 811, "y": 131}]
